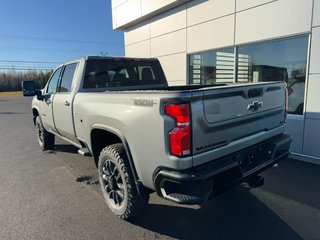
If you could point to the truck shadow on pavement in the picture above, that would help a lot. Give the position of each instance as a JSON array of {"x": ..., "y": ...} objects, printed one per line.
[
  {"x": 237, "y": 214},
  {"x": 240, "y": 214},
  {"x": 295, "y": 180}
]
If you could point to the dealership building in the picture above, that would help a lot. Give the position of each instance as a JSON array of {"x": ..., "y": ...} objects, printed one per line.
[{"x": 214, "y": 41}]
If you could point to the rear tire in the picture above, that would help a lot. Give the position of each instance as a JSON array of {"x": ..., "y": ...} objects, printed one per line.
[
  {"x": 117, "y": 183},
  {"x": 45, "y": 139}
]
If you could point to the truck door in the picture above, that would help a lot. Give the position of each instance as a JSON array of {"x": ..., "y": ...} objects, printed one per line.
[
  {"x": 46, "y": 104},
  {"x": 62, "y": 106}
]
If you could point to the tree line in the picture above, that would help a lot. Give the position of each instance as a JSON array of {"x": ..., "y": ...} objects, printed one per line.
[{"x": 11, "y": 80}]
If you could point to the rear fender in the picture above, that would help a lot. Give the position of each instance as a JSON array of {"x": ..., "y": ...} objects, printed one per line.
[{"x": 123, "y": 140}]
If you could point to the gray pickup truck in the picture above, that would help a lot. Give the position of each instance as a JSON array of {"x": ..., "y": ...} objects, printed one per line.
[{"x": 187, "y": 143}]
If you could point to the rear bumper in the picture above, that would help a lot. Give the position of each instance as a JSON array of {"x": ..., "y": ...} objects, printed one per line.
[{"x": 200, "y": 183}]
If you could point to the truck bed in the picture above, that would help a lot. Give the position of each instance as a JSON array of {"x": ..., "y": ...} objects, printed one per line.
[{"x": 221, "y": 121}]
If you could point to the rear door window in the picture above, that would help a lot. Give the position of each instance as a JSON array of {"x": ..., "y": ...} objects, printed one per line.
[{"x": 67, "y": 77}]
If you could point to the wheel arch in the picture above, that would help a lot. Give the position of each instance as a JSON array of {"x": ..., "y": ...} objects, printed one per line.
[
  {"x": 102, "y": 136},
  {"x": 35, "y": 113}
]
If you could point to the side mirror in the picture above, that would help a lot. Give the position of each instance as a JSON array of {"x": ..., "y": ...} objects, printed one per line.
[
  {"x": 39, "y": 95},
  {"x": 28, "y": 88}
]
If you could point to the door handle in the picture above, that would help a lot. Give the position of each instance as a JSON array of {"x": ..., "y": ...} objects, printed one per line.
[{"x": 66, "y": 103}]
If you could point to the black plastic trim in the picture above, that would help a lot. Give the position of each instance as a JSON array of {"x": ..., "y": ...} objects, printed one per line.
[{"x": 224, "y": 173}]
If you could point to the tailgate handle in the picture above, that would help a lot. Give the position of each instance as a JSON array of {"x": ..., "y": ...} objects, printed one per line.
[{"x": 256, "y": 92}]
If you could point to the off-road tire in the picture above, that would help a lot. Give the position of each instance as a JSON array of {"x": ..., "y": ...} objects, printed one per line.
[
  {"x": 45, "y": 139},
  {"x": 117, "y": 183}
]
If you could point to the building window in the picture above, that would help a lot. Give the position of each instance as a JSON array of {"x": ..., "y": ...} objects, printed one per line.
[
  {"x": 212, "y": 67},
  {"x": 279, "y": 60}
]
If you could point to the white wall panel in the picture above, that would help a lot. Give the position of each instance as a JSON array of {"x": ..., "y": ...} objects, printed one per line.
[
  {"x": 119, "y": 2},
  {"x": 138, "y": 33},
  {"x": 140, "y": 49},
  {"x": 149, "y": 6},
  {"x": 313, "y": 96},
  {"x": 128, "y": 12},
  {"x": 169, "y": 44},
  {"x": 315, "y": 51},
  {"x": 245, "y": 4},
  {"x": 175, "y": 68},
  {"x": 316, "y": 13},
  {"x": 204, "y": 10},
  {"x": 294, "y": 127},
  {"x": 114, "y": 18},
  {"x": 168, "y": 22},
  {"x": 213, "y": 34},
  {"x": 177, "y": 83},
  {"x": 280, "y": 18}
]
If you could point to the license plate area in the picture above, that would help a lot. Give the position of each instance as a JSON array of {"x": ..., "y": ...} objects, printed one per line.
[{"x": 254, "y": 156}]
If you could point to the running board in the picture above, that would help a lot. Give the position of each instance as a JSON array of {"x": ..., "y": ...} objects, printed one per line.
[{"x": 84, "y": 152}]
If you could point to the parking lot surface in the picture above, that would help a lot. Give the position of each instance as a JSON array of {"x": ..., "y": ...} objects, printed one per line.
[{"x": 54, "y": 195}]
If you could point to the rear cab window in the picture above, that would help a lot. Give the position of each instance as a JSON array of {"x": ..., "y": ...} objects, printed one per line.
[{"x": 111, "y": 74}]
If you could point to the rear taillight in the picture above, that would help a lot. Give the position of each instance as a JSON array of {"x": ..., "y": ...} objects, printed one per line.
[
  {"x": 180, "y": 136},
  {"x": 286, "y": 108}
]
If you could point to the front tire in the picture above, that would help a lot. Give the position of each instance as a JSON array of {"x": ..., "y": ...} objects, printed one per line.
[
  {"x": 45, "y": 139},
  {"x": 117, "y": 183}
]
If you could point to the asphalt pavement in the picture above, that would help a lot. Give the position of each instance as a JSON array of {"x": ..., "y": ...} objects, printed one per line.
[{"x": 55, "y": 195}]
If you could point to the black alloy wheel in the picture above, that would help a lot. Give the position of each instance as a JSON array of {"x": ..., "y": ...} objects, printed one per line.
[
  {"x": 113, "y": 183},
  {"x": 117, "y": 183}
]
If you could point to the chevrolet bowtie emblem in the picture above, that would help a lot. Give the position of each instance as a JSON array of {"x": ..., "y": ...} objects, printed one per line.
[{"x": 254, "y": 106}]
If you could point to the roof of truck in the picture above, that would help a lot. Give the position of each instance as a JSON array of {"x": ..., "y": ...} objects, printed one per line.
[
  {"x": 119, "y": 58},
  {"x": 116, "y": 58}
]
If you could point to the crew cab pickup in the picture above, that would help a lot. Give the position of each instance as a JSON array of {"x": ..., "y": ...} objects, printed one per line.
[{"x": 187, "y": 143}]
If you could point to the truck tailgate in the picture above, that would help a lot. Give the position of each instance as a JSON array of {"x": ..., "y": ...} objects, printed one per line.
[{"x": 228, "y": 119}]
